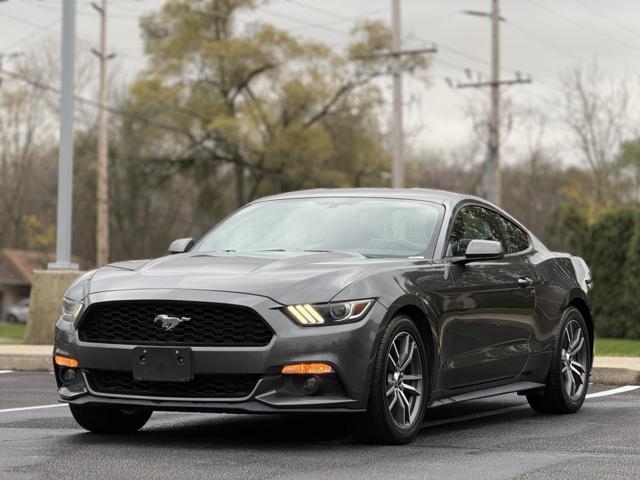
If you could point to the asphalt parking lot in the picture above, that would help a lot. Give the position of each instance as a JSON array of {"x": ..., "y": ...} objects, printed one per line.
[{"x": 485, "y": 439}]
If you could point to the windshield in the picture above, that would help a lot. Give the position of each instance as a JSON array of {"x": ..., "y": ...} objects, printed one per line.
[{"x": 369, "y": 226}]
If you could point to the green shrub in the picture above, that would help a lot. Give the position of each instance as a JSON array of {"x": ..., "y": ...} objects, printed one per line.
[
  {"x": 607, "y": 253},
  {"x": 632, "y": 284},
  {"x": 611, "y": 247}
]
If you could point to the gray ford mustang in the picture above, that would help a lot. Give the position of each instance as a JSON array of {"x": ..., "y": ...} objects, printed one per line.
[{"x": 375, "y": 302}]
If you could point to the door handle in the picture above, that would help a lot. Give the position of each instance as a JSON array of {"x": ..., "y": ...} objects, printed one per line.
[{"x": 525, "y": 282}]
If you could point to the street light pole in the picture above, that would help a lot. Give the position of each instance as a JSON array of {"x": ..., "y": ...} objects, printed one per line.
[{"x": 65, "y": 157}]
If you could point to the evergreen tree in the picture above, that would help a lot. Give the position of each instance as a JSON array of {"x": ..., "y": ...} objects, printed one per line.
[
  {"x": 609, "y": 246},
  {"x": 631, "y": 284}
]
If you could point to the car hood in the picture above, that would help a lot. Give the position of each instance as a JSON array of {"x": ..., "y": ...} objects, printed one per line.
[{"x": 284, "y": 277}]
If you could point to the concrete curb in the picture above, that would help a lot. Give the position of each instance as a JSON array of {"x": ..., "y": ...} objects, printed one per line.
[
  {"x": 615, "y": 376},
  {"x": 27, "y": 358}
]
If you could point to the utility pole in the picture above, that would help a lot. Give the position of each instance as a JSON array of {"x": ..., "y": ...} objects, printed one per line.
[
  {"x": 396, "y": 54},
  {"x": 493, "y": 177},
  {"x": 65, "y": 157},
  {"x": 102, "y": 213},
  {"x": 397, "y": 133}
]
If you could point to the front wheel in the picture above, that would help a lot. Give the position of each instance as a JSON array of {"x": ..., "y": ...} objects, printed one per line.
[
  {"x": 109, "y": 420},
  {"x": 398, "y": 386},
  {"x": 568, "y": 378}
]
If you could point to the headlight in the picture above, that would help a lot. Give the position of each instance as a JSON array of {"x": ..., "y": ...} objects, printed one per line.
[
  {"x": 71, "y": 309},
  {"x": 72, "y": 302},
  {"x": 329, "y": 313},
  {"x": 79, "y": 288}
]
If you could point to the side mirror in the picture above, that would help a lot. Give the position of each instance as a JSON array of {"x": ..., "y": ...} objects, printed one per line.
[
  {"x": 479, "y": 250},
  {"x": 181, "y": 245}
]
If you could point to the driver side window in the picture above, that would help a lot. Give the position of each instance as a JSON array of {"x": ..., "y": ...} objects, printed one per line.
[{"x": 474, "y": 223}]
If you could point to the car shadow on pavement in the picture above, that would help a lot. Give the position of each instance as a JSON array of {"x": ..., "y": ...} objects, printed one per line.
[
  {"x": 271, "y": 431},
  {"x": 232, "y": 431}
]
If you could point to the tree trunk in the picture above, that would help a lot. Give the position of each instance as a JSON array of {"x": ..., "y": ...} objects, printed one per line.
[{"x": 240, "y": 185}]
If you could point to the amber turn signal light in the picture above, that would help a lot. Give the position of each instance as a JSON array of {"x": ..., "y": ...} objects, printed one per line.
[
  {"x": 65, "y": 361},
  {"x": 307, "y": 369}
]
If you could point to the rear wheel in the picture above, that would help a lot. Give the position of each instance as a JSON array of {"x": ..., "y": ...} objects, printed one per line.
[
  {"x": 109, "y": 420},
  {"x": 398, "y": 386},
  {"x": 12, "y": 319},
  {"x": 568, "y": 378}
]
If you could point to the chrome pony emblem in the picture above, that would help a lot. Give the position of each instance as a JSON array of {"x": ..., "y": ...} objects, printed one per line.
[{"x": 169, "y": 323}]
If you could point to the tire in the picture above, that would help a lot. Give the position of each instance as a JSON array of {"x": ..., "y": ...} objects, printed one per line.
[
  {"x": 380, "y": 424},
  {"x": 109, "y": 420},
  {"x": 558, "y": 396},
  {"x": 12, "y": 319}
]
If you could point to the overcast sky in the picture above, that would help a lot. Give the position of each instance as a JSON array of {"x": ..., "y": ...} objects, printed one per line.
[{"x": 540, "y": 38}]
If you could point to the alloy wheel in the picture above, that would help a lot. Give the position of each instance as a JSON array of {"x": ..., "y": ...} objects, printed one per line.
[
  {"x": 574, "y": 360},
  {"x": 404, "y": 386}
]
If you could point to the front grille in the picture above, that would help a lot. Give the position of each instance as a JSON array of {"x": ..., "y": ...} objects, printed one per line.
[
  {"x": 202, "y": 386},
  {"x": 214, "y": 324}
]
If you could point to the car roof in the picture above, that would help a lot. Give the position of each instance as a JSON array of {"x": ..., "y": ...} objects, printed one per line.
[{"x": 425, "y": 194}]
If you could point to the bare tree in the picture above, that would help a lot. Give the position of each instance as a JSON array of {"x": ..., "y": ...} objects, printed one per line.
[
  {"x": 598, "y": 112},
  {"x": 28, "y": 154},
  {"x": 24, "y": 134}
]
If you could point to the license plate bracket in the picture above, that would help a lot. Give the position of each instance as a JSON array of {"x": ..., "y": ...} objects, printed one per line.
[{"x": 162, "y": 364}]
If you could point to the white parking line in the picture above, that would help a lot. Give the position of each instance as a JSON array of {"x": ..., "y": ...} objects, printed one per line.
[
  {"x": 473, "y": 416},
  {"x": 37, "y": 407},
  {"x": 628, "y": 388},
  {"x": 5, "y": 371}
]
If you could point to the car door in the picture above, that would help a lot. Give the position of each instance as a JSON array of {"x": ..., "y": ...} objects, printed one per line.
[{"x": 489, "y": 310}]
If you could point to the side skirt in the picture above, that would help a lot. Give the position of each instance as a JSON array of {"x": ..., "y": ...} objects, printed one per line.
[{"x": 488, "y": 392}]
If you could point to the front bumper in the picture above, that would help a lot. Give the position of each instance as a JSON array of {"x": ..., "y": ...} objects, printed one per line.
[{"x": 348, "y": 348}]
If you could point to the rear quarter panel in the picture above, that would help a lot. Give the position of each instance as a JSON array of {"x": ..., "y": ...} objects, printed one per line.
[{"x": 561, "y": 280}]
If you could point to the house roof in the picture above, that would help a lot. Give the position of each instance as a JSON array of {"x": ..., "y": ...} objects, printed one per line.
[{"x": 17, "y": 266}]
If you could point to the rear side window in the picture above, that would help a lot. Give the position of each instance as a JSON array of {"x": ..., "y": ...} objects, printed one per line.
[{"x": 516, "y": 239}]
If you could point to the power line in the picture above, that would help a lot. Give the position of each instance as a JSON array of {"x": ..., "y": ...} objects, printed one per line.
[
  {"x": 20, "y": 20},
  {"x": 31, "y": 34},
  {"x": 52, "y": 8},
  {"x": 566, "y": 18},
  {"x": 128, "y": 6},
  {"x": 304, "y": 22},
  {"x": 494, "y": 83},
  {"x": 320, "y": 10},
  {"x": 426, "y": 22},
  {"x": 92, "y": 103},
  {"x": 341, "y": 21},
  {"x": 510, "y": 69},
  {"x": 543, "y": 41},
  {"x": 604, "y": 15}
]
